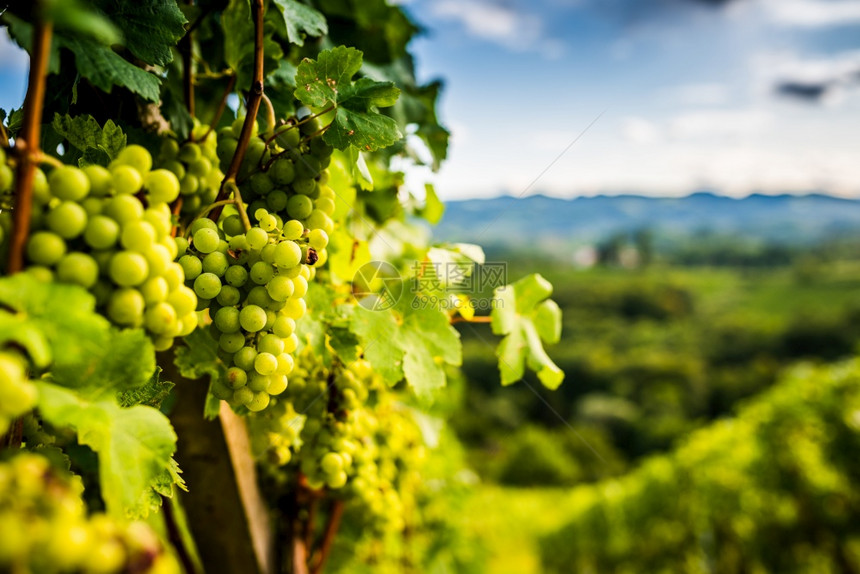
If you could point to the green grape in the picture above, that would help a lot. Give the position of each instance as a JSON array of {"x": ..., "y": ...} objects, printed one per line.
[
  {"x": 307, "y": 167},
  {"x": 154, "y": 290},
  {"x": 331, "y": 463},
  {"x": 159, "y": 258},
  {"x": 236, "y": 275},
  {"x": 300, "y": 206},
  {"x": 282, "y": 171},
  {"x": 78, "y": 268},
  {"x": 7, "y": 177},
  {"x": 259, "y": 402},
  {"x": 136, "y": 157},
  {"x": 124, "y": 209},
  {"x": 125, "y": 307},
  {"x": 206, "y": 240},
  {"x": 227, "y": 320},
  {"x": 252, "y": 318},
  {"x": 183, "y": 299},
  {"x": 229, "y": 296},
  {"x": 68, "y": 220},
  {"x": 236, "y": 378},
  {"x": 92, "y": 205},
  {"x": 265, "y": 364},
  {"x": 162, "y": 185},
  {"x": 215, "y": 262},
  {"x": 288, "y": 254},
  {"x": 318, "y": 239},
  {"x": 257, "y": 238},
  {"x": 128, "y": 269},
  {"x": 45, "y": 248},
  {"x": 280, "y": 288},
  {"x": 231, "y": 342},
  {"x": 245, "y": 357},
  {"x": 202, "y": 223},
  {"x": 137, "y": 236},
  {"x": 160, "y": 318},
  {"x": 226, "y": 149},
  {"x": 41, "y": 189},
  {"x": 261, "y": 272},
  {"x": 189, "y": 185},
  {"x": 277, "y": 384},
  {"x": 243, "y": 396},
  {"x": 233, "y": 225},
  {"x": 126, "y": 180},
  {"x": 293, "y": 229},
  {"x": 191, "y": 266},
  {"x": 189, "y": 152},
  {"x": 261, "y": 183},
  {"x": 69, "y": 183},
  {"x": 276, "y": 200},
  {"x": 200, "y": 167},
  {"x": 258, "y": 382},
  {"x": 326, "y": 205},
  {"x": 286, "y": 363},
  {"x": 304, "y": 186},
  {"x": 207, "y": 285},
  {"x": 284, "y": 326}
]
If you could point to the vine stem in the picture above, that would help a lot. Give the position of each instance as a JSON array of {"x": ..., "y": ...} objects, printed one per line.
[
  {"x": 270, "y": 112},
  {"x": 297, "y": 124},
  {"x": 27, "y": 145},
  {"x": 255, "y": 96},
  {"x": 331, "y": 528}
]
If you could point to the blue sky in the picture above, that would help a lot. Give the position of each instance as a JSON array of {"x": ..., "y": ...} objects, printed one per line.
[{"x": 732, "y": 95}]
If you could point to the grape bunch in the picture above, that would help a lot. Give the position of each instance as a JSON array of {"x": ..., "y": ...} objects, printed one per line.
[
  {"x": 352, "y": 437},
  {"x": 285, "y": 174},
  {"x": 17, "y": 393},
  {"x": 109, "y": 230},
  {"x": 195, "y": 164},
  {"x": 46, "y": 528},
  {"x": 253, "y": 283}
]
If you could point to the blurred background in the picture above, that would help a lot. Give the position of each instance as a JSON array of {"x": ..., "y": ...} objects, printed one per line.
[{"x": 685, "y": 172}]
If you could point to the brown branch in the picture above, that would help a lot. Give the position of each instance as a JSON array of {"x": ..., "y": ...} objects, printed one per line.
[
  {"x": 174, "y": 536},
  {"x": 253, "y": 106},
  {"x": 331, "y": 528},
  {"x": 222, "y": 105},
  {"x": 309, "y": 523},
  {"x": 27, "y": 145},
  {"x": 479, "y": 319}
]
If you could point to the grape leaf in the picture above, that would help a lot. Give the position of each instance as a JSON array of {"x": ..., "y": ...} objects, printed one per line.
[
  {"x": 134, "y": 445},
  {"x": 327, "y": 81},
  {"x": 417, "y": 347},
  {"x": 433, "y": 209},
  {"x": 105, "y": 68},
  {"x": 365, "y": 130},
  {"x": 74, "y": 17},
  {"x": 85, "y": 351},
  {"x": 199, "y": 358},
  {"x": 85, "y": 134},
  {"x": 150, "y": 27},
  {"x": 19, "y": 330},
  {"x": 526, "y": 317},
  {"x": 151, "y": 394},
  {"x": 299, "y": 19}
]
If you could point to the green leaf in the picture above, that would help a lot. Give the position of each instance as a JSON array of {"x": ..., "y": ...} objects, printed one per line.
[
  {"x": 416, "y": 348},
  {"x": 527, "y": 318},
  {"x": 365, "y": 130},
  {"x": 429, "y": 342},
  {"x": 134, "y": 445},
  {"x": 151, "y": 27},
  {"x": 300, "y": 19},
  {"x": 151, "y": 394},
  {"x": 85, "y": 351},
  {"x": 74, "y": 17},
  {"x": 319, "y": 81},
  {"x": 94, "y": 156},
  {"x": 199, "y": 358},
  {"x": 238, "y": 29},
  {"x": 433, "y": 209},
  {"x": 20, "y": 330},
  {"x": 327, "y": 81},
  {"x": 105, "y": 68},
  {"x": 377, "y": 331},
  {"x": 85, "y": 134}
]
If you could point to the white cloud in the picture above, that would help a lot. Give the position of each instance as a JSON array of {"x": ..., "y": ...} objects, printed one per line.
[
  {"x": 706, "y": 124},
  {"x": 641, "y": 131},
  {"x": 710, "y": 94},
  {"x": 812, "y": 13},
  {"x": 518, "y": 30}
]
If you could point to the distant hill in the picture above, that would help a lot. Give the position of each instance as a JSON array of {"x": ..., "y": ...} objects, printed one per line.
[{"x": 773, "y": 219}]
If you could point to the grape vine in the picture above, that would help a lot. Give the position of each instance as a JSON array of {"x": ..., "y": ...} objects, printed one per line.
[{"x": 163, "y": 272}]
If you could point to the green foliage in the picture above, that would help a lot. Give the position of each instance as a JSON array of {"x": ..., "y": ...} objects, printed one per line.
[
  {"x": 771, "y": 490},
  {"x": 151, "y": 28},
  {"x": 300, "y": 19},
  {"x": 327, "y": 82},
  {"x": 105, "y": 68},
  {"x": 134, "y": 444},
  {"x": 526, "y": 316}
]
